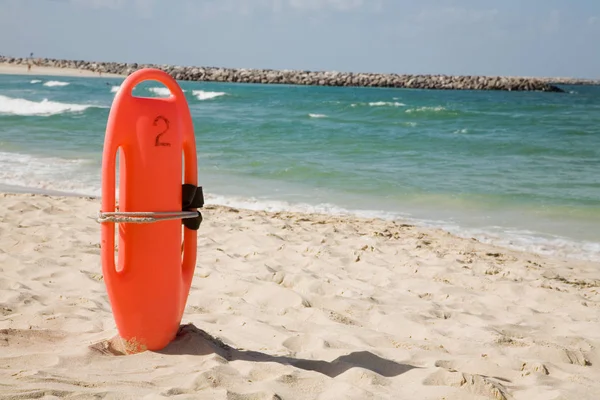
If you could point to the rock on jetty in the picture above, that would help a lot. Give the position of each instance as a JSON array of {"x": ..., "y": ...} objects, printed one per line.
[{"x": 318, "y": 78}]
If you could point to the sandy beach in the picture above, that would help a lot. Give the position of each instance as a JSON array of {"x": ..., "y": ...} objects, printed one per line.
[
  {"x": 11, "y": 69},
  {"x": 298, "y": 306}
]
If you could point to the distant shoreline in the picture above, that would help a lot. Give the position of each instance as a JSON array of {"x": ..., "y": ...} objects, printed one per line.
[
  {"x": 49, "y": 66},
  {"x": 36, "y": 70}
]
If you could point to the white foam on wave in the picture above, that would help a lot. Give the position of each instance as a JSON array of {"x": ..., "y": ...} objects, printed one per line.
[
  {"x": 49, "y": 173},
  {"x": 56, "y": 83},
  {"x": 380, "y": 104},
  {"x": 115, "y": 89},
  {"x": 533, "y": 242},
  {"x": 205, "y": 95},
  {"x": 251, "y": 203},
  {"x": 317, "y": 115},
  {"x": 161, "y": 91},
  {"x": 387, "y": 104},
  {"x": 45, "y": 107},
  {"x": 426, "y": 109},
  {"x": 35, "y": 81}
]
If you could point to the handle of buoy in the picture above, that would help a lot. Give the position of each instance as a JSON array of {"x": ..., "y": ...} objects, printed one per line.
[{"x": 151, "y": 74}]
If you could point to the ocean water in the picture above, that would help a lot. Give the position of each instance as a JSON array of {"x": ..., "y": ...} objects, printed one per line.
[{"x": 520, "y": 169}]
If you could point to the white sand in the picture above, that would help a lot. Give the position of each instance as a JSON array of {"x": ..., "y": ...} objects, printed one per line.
[
  {"x": 49, "y": 71},
  {"x": 291, "y": 306}
]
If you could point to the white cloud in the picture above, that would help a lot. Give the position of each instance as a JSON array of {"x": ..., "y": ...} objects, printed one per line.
[
  {"x": 593, "y": 20},
  {"x": 195, "y": 9},
  {"x": 552, "y": 22},
  {"x": 341, "y": 5},
  {"x": 344, "y": 5},
  {"x": 448, "y": 24},
  {"x": 212, "y": 8},
  {"x": 143, "y": 7},
  {"x": 277, "y": 6},
  {"x": 112, "y": 4},
  {"x": 452, "y": 15},
  {"x": 306, "y": 4}
]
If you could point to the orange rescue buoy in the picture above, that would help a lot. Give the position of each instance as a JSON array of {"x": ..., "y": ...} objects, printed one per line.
[{"x": 149, "y": 285}]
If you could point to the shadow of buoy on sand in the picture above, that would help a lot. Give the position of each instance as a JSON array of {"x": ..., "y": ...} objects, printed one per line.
[{"x": 193, "y": 341}]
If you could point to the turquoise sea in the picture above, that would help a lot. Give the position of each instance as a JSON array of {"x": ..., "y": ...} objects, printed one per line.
[{"x": 520, "y": 169}]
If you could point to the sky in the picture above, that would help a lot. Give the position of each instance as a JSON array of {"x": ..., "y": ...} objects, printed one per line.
[{"x": 454, "y": 37}]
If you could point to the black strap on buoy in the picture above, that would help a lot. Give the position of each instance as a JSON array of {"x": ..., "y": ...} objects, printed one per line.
[{"x": 192, "y": 197}]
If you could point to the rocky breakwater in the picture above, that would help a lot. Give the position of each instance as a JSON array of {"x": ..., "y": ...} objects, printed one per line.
[{"x": 293, "y": 77}]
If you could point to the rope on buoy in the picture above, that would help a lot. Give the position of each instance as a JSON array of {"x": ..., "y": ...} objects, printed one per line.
[
  {"x": 144, "y": 217},
  {"x": 192, "y": 198}
]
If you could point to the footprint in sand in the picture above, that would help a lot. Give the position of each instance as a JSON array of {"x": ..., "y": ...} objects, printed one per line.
[
  {"x": 479, "y": 385},
  {"x": 24, "y": 338}
]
